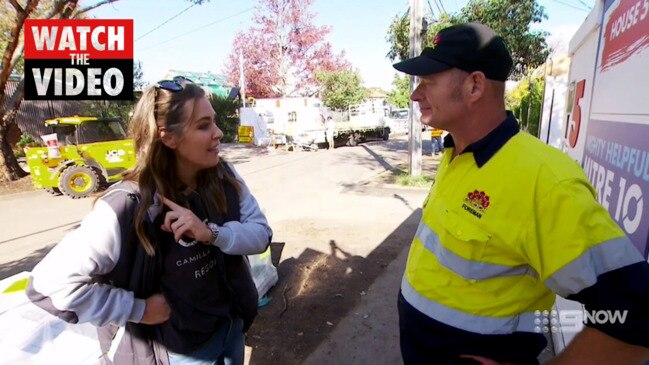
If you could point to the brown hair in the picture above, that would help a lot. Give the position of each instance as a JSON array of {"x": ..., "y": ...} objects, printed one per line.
[{"x": 155, "y": 170}]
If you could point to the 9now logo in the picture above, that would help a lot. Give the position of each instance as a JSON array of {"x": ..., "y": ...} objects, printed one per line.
[{"x": 574, "y": 320}]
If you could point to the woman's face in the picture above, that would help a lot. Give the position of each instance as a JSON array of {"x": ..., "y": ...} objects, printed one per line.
[{"x": 198, "y": 146}]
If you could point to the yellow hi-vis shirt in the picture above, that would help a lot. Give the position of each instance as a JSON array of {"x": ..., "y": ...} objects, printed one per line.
[
  {"x": 436, "y": 132},
  {"x": 499, "y": 237}
]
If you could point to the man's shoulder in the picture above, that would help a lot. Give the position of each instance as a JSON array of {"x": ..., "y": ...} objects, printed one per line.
[{"x": 529, "y": 154}]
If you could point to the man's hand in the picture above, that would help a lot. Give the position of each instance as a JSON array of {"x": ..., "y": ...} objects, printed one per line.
[
  {"x": 182, "y": 221},
  {"x": 593, "y": 347},
  {"x": 156, "y": 310}
]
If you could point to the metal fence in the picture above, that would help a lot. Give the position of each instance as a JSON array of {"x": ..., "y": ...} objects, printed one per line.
[{"x": 33, "y": 113}]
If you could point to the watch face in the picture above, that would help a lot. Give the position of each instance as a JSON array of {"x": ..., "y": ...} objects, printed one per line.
[{"x": 215, "y": 232}]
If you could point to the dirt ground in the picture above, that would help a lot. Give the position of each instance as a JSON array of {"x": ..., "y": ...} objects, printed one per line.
[
  {"x": 314, "y": 293},
  {"x": 12, "y": 187},
  {"x": 318, "y": 290}
]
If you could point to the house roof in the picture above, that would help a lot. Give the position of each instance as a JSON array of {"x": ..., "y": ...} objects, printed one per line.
[
  {"x": 376, "y": 93},
  {"x": 216, "y": 83}
]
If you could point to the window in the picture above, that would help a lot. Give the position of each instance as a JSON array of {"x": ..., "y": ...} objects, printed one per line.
[
  {"x": 269, "y": 117},
  {"x": 66, "y": 135},
  {"x": 399, "y": 114},
  {"x": 103, "y": 130},
  {"x": 292, "y": 117}
]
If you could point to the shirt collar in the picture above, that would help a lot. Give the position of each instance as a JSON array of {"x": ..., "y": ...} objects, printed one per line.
[{"x": 485, "y": 148}]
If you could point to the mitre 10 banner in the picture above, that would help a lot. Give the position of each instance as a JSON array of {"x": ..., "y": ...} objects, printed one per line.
[{"x": 83, "y": 59}]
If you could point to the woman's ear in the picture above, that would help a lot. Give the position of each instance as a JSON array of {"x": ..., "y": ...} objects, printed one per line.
[{"x": 167, "y": 138}]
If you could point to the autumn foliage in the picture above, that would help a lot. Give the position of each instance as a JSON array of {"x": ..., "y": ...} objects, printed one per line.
[{"x": 282, "y": 51}]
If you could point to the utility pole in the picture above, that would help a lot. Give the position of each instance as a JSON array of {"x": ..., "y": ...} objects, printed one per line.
[
  {"x": 241, "y": 79},
  {"x": 414, "y": 142}
]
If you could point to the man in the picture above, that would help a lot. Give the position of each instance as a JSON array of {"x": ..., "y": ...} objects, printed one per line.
[
  {"x": 436, "y": 140},
  {"x": 509, "y": 222},
  {"x": 330, "y": 128}
]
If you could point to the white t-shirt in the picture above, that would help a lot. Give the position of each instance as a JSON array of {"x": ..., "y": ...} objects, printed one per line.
[{"x": 330, "y": 125}]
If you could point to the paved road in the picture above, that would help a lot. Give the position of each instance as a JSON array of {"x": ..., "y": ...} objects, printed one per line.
[{"x": 31, "y": 224}]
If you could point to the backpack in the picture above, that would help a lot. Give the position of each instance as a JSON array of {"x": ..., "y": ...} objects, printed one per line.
[{"x": 139, "y": 272}]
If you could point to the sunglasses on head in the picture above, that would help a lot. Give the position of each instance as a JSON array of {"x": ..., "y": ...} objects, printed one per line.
[{"x": 173, "y": 85}]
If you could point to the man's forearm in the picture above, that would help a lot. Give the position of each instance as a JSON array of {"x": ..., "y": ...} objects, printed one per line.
[{"x": 593, "y": 347}]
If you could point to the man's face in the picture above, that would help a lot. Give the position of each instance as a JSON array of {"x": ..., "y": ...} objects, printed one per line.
[{"x": 440, "y": 99}]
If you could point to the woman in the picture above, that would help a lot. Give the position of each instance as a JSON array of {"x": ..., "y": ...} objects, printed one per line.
[{"x": 158, "y": 264}]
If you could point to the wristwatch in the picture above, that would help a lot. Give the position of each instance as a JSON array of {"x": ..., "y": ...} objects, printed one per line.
[{"x": 215, "y": 233}]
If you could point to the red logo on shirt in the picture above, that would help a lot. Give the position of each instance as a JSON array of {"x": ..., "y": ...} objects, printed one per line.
[{"x": 478, "y": 200}]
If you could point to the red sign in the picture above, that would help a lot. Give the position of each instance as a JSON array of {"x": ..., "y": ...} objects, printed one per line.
[
  {"x": 79, "y": 59},
  {"x": 98, "y": 38},
  {"x": 625, "y": 32}
]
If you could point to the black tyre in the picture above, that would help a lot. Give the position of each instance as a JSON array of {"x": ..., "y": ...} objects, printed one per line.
[
  {"x": 386, "y": 134},
  {"x": 53, "y": 191},
  {"x": 352, "y": 140},
  {"x": 78, "y": 181},
  {"x": 22, "y": 162}
]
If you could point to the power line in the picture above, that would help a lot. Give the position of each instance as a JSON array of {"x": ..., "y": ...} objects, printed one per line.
[
  {"x": 586, "y": 5},
  {"x": 576, "y": 5},
  {"x": 441, "y": 5},
  {"x": 199, "y": 28},
  {"x": 570, "y": 5},
  {"x": 432, "y": 13},
  {"x": 405, "y": 14},
  {"x": 165, "y": 22}
]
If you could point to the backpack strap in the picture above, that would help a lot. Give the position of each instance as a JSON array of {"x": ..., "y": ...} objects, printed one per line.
[{"x": 135, "y": 269}]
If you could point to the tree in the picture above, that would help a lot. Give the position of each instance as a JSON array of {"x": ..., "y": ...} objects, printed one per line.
[
  {"x": 13, "y": 55},
  {"x": 12, "y": 20},
  {"x": 138, "y": 76},
  {"x": 282, "y": 51},
  {"x": 512, "y": 19},
  {"x": 340, "y": 89},
  {"x": 525, "y": 101},
  {"x": 374, "y": 92},
  {"x": 509, "y": 18},
  {"x": 399, "y": 34},
  {"x": 108, "y": 109},
  {"x": 400, "y": 94}
]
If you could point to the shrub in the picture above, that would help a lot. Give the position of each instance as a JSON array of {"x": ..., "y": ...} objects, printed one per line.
[
  {"x": 27, "y": 141},
  {"x": 227, "y": 116}
]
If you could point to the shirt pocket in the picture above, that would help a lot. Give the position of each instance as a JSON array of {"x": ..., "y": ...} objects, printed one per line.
[{"x": 463, "y": 244}]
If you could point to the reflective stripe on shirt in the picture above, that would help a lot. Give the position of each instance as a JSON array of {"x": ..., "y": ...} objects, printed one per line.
[
  {"x": 583, "y": 271},
  {"x": 524, "y": 322},
  {"x": 468, "y": 269}
]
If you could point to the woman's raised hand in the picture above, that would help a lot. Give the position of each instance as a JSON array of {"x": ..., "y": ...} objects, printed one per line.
[{"x": 183, "y": 222}]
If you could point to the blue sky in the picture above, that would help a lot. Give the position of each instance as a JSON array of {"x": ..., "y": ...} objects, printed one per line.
[{"x": 200, "y": 38}]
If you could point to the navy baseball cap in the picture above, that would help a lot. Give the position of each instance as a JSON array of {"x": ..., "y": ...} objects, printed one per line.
[{"x": 469, "y": 47}]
